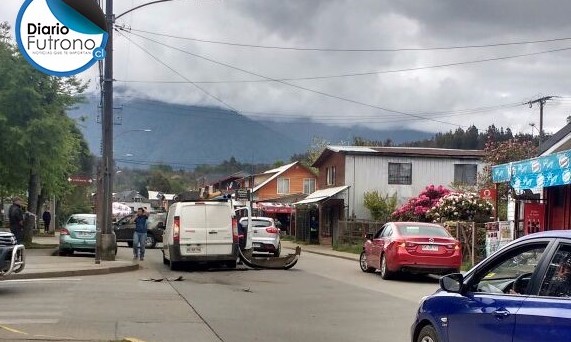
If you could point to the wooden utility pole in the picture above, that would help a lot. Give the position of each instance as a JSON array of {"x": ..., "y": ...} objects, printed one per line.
[{"x": 541, "y": 102}]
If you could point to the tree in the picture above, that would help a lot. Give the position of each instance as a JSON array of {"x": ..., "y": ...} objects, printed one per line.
[
  {"x": 381, "y": 207},
  {"x": 39, "y": 145}
]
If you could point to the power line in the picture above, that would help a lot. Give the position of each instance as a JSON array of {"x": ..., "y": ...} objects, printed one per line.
[
  {"x": 298, "y": 86},
  {"x": 179, "y": 74},
  {"x": 355, "y": 74},
  {"x": 275, "y": 47}
]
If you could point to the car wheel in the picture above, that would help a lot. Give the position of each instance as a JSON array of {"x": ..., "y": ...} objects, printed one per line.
[
  {"x": 278, "y": 251},
  {"x": 364, "y": 265},
  {"x": 427, "y": 334},
  {"x": 130, "y": 243},
  {"x": 385, "y": 273},
  {"x": 150, "y": 242}
]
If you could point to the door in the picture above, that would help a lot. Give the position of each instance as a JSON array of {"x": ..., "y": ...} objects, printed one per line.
[
  {"x": 219, "y": 229},
  {"x": 487, "y": 312},
  {"x": 125, "y": 228},
  {"x": 379, "y": 245},
  {"x": 376, "y": 247},
  {"x": 547, "y": 316},
  {"x": 193, "y": 229}
]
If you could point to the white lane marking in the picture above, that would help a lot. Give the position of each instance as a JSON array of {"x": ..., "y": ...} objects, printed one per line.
[
  {"x": 40, "y": 280},
  {"x": 16, "y": 321},
  {"x": 13, "y": 330},
  {"x": 29, "y": 314}
]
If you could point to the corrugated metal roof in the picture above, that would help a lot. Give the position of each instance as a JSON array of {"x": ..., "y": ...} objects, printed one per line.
[
  {"x": 320, "y": 195},
  {"x": 277, "y": 171},
  {"x": 336, "y": 148}
]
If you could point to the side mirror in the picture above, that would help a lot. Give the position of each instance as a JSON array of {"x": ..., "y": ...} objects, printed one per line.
[
  {"x": 161, "y": 225},
  {"x": 369, "y": 236},
  {"x": 452, "y": 282}
]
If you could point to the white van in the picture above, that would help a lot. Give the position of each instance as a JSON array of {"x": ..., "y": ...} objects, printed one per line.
[{"x": 200, "y": 231}]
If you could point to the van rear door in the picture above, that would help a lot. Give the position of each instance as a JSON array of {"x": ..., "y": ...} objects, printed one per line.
[
  {"x": 193, "y": 229},
  {"x": 219, "y": 223}
]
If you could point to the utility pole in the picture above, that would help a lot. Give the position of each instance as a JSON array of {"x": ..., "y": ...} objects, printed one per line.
[
  {"x": 541, "y": 102},
  {"x": 107, "y": 243}
]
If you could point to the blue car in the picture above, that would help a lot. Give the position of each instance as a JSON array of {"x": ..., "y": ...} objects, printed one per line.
[
  {"x": 78, "y": 234},
  {"x": 520, "y": 293}
]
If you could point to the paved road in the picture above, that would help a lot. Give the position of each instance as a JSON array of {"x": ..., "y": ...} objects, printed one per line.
[{"x": 321, "y": 299}]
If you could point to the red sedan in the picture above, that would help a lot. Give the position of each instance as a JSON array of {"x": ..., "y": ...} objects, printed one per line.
[{"x": 414, "y": 247}]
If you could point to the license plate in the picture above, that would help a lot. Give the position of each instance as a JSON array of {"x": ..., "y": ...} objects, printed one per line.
[
  {"x": 84, "y": 234},
  {"x": 194, "y": 249},
  {"x": 430, "y": 248}
]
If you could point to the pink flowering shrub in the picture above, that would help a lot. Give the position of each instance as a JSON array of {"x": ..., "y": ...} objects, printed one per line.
[
  {"x": 417, "y": 207},
  {"x": 461, "y": 207}
]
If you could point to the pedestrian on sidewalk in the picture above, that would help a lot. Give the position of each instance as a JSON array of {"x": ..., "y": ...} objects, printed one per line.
[
  {"x": 16, "y": 216},
  {"x": 47, "y": 217},
  {"x": 140, "y": 235}
]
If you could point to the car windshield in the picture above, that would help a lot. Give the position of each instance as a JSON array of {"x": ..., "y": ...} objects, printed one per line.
[
  {"x": 81, "y": 220},
  {"x": 423, "y": 230}
]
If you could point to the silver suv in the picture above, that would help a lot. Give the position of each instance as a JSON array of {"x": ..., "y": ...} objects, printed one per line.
[{"x": 266, "y": 236}]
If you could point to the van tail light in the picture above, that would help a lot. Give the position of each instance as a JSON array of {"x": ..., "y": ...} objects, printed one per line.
[
  {"x": 176, "y": 230},
  {"x": 272, "y": 230},
  {"x": 235, "y": 236},
  {"x": 64, "y": 231}
]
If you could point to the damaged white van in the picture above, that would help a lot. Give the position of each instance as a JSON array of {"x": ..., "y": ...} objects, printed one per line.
[{"x": 200, "y": 231}]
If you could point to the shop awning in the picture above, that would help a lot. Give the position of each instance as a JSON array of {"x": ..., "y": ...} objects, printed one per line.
[
  {"x": 275, "y": 208},
  {"x": 321, "y": 195},
  {"x": 545, "y": 171}
]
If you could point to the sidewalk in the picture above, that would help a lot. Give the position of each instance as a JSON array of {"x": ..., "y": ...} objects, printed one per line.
[
  {"x": 321, "y": 250},
  {"x": 44, "y": 263}
]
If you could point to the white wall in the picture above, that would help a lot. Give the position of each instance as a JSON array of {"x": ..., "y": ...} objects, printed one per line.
[{"x": 367, "y": 173}]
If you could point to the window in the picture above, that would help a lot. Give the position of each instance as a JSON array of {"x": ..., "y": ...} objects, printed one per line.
[
  {"x": 388, "y": 231},
  {"x": 557, "y": 281},
  {"x": 308, "y": 185},
  {"x": 331, "y": 175},
  {"x": 400, "y": 173},
  {"x": 465, "y": 174},
  {"x": 283, "y": 185},
  {"x": 510, "y": 273}
]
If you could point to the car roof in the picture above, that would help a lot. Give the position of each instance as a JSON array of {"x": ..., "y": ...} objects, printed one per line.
[
  {"x": 257, "y": 218},
  {"x": 410, "y": 223},
  {"x": 83, "y": 215},
  {"x": 558, "y": 233}
]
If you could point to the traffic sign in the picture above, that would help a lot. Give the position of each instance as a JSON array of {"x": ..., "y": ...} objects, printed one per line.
[
  {"x": 243, "y": 194},
  {"x": 80, "y": 180}
]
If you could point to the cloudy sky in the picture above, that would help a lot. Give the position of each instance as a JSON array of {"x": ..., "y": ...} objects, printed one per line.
[{"x": 377, "y": 63}]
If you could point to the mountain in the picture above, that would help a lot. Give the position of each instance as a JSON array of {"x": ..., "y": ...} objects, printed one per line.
[{"x": 185, "y": 136}]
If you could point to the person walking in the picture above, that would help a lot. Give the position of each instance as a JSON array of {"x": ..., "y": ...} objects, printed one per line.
[
  {"x": 16, "y": 217},
  {"x": 140, "y": 235},
  {"x": 47, "y": 217}
]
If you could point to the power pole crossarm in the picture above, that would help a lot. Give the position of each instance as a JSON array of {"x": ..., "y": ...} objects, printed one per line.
[{"x": 541, "y": 101}]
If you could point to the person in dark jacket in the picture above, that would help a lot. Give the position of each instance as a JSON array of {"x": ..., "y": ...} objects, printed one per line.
[
  {"x": 16, "y": 216},
  {"x": 47, "y": 217},
  {"x": 140, "y": 234}
]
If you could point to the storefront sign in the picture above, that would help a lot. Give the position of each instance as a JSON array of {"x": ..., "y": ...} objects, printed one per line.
[{"x": 534, "y": 217}]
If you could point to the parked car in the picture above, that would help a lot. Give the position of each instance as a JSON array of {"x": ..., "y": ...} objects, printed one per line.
[
  {"x": 414, "y": 247},
  {"x": 200, "y": 231},
  {"x": 78, "y": 234},
  {"x": 265, "y": 236},
  {"x": 520, "y": 293},
  {"x": 125, "y": 228}
]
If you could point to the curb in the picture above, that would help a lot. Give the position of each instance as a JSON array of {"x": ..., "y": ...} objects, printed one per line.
[
  {"x": 74, "y": 273},
  {"x": 350, "y": 258}
]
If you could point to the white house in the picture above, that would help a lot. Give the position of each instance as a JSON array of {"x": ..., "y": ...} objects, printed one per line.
[{"x": 405, "y": 171}]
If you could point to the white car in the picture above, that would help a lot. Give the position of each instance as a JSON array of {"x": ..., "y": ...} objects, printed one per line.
[{"x": 265, "y": 236}]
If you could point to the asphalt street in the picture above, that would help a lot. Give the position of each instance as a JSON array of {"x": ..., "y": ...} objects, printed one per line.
[{"x": 321, "y": 299}]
